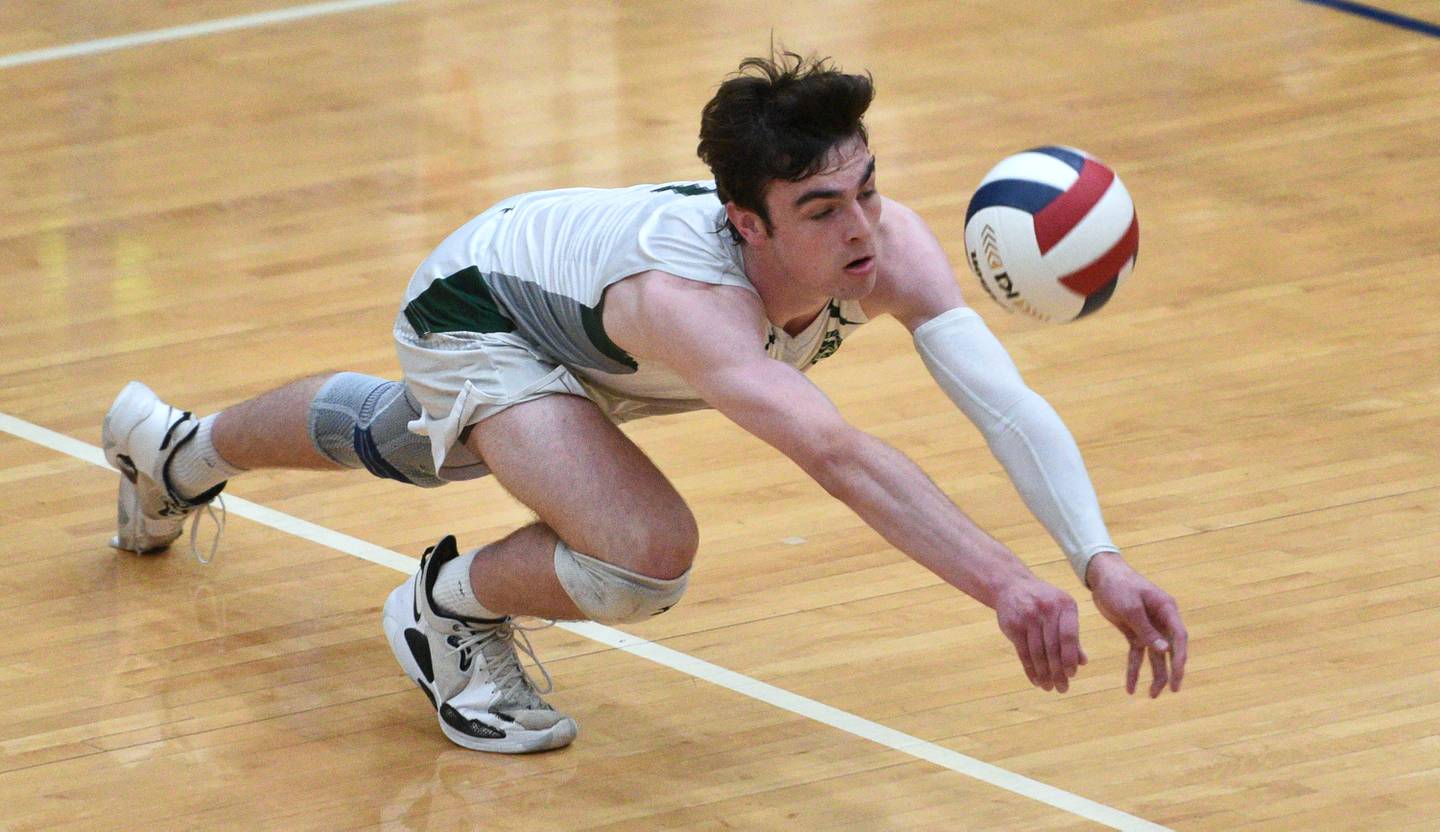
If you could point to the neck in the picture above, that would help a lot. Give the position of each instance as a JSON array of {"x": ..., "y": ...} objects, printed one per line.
[{"x": 785, "y": 306}]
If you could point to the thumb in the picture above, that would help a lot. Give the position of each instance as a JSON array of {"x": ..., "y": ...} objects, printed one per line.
[{"x": 1145, "y": 632}]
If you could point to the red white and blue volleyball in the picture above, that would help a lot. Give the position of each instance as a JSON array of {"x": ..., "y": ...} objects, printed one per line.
[{"x": 1051, "y": 232}]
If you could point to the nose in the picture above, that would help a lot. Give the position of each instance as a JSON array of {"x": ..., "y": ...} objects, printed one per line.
[{"x": 859, "y": 228}]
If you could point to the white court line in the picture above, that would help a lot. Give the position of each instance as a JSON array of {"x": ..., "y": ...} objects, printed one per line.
[
  {"x": 208, "y": 27},
  {"x": 673, "y": 659}
]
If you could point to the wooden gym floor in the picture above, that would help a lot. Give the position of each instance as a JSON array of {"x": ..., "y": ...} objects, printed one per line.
[{"x": 218, "y": 212}]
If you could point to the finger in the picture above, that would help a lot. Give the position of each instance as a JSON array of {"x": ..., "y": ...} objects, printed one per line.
[
  {"x": 1052, "y": 655},
  {"x": 1023, "y": 651},
  {"x": 1179, "y": 641},
  {"x": 1132, "y": 666},
  {"x": 1070, "y": 652},
  {"x": 1036, "y": 642},
  {"x": 1178, "y": 655},
  {"x": 1157, "y": 667}
]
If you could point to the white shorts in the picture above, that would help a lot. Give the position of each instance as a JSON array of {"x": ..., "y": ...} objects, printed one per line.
[{"x": 461, "y": 378}]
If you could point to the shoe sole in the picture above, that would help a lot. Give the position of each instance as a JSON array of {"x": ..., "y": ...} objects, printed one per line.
[
  {"x": 397, "y": 619},
  {"x": 127, "y": 533}
]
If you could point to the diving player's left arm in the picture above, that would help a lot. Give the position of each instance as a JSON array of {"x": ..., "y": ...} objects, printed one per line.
[{"x": 1026, "y": 435}]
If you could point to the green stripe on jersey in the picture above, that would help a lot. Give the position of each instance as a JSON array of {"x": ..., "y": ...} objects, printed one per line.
[
  {"x": 591, "y": 317},
  {"x": 458, "y": 303}
]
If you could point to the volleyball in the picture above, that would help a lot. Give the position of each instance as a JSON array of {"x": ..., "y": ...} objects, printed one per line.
[{"x": 1051, "y": 232}]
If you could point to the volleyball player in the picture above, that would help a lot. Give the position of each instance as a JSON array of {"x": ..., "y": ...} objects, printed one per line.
[{"x": 538, "y": 326}]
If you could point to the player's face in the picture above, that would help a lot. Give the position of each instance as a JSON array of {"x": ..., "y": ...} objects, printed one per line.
[{"x": 823, "y": 229}]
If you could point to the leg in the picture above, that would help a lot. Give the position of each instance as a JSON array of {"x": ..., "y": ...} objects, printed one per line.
[
  {"x": 594, "y": 490},
  {"x": 172, "y": 464},
  {"x": 272, "y": 429},
  {"x": 591, "y": 487},
  {"x": 328, "y": 422}
]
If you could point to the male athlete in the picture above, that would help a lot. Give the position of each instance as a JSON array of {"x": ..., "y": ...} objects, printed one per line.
[{"x": 536, "y": 327}]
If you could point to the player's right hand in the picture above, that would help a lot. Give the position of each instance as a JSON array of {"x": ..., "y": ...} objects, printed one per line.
[{"x": 1043, "y": 623}]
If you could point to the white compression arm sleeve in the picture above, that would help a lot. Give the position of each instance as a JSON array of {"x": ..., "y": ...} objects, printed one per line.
[{"x": 1024, "y": 432}]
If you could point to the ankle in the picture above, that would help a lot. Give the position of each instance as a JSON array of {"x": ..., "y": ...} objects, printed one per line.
[
  {"x": 454, "y": 593},
  {"x": 196, "y": 466}
]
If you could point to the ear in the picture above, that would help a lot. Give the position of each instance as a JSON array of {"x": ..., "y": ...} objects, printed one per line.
[{"x": 750, "y": 225}]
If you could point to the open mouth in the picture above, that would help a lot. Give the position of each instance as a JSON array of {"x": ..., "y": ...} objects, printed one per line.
[{"x": 859, "y": 264}]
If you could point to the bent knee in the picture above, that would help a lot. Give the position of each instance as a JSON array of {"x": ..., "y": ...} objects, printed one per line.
[
  {"x": 663, "y": 547},
  {"x": 611, "y": 594}
]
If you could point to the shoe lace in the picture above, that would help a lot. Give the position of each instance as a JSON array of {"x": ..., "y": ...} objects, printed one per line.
[
  {"x": 498, "y": 644},
  {"x": 218, "y": 518}
]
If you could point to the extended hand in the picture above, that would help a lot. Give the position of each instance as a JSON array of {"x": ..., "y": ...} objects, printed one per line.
[
  {"x": 1044, "y": 625},
  {"x": 1148, "y": 618}
]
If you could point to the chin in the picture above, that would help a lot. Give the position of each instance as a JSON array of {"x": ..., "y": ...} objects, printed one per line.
[{"x": 853, "y": 288}]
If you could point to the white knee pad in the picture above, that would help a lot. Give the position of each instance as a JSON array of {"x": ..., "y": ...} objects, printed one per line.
[{"x": 611, "y": 595}]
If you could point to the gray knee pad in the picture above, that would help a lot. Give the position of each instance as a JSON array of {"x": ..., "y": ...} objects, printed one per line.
[
  {"x": 360, "y": 421},
  {"x": 611, "y": 595}
]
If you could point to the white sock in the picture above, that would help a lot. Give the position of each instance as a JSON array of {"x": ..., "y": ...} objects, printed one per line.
[
  {"x": 452, "y": 592},
  {"x": 197, "y": 467}
]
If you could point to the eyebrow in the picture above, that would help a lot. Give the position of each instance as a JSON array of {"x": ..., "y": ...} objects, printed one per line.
[{"x": 832, "y": 193}]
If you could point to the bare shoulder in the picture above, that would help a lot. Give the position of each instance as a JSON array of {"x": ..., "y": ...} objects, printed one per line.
[
  {"x": 655, "y": 314},
  {"x": 916, "y": 281}
]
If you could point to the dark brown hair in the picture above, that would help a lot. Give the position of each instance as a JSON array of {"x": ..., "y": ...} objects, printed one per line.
[{"x": 779, "y": 118}]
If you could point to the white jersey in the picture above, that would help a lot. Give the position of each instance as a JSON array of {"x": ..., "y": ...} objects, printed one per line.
[{"x": 538, "y": 265}]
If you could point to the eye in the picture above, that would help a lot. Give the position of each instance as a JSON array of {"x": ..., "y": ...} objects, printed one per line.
[
  {"x": 867, "y": 194},
  {"x": 822, "y": 214}
]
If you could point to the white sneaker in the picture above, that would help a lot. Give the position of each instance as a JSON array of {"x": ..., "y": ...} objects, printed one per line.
[
  {"x": 140, "y": 436},
  {"x": 469, "y": 669}
]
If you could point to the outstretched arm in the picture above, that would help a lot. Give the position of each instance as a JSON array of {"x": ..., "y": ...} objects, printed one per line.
[
  {"x": 712, "y": 340},
  {"x": 1024, "y": 432},
  {"x": 1029, "y": 439}
]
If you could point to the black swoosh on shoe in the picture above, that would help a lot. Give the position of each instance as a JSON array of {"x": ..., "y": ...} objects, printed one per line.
[{"x": 420, "y": 650}]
